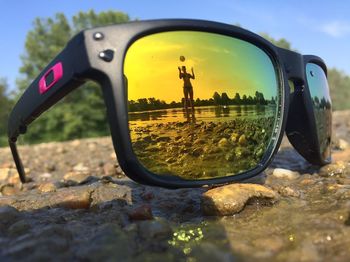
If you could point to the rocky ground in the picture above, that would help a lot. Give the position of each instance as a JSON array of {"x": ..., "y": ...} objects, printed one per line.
[{"x": 80, "y": 206}]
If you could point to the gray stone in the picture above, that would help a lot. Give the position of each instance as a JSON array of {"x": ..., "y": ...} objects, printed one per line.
[
  {"x": 9, "y": 215},
  {"x": 156, "y": 229},
  {"x": 110, "y": 243},
  {"x": 19, "y": 228}
]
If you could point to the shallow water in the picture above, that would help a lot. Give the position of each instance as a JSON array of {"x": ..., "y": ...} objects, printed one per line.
[{"x": 205, "y": 113}]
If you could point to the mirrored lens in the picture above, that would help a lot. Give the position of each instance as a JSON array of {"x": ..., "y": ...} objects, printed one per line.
[
  {"x": 322, "y": 106},
  {"x": 201, "y": 105}
]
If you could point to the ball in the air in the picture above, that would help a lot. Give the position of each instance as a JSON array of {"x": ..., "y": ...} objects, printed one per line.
[{"x": 182, "y": 58}]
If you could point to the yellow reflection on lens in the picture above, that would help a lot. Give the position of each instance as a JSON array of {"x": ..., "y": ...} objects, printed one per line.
[{"x": 201, "y": 105}]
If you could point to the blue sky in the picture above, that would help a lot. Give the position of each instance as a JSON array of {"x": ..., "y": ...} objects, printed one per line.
[{"x": 313, "y": 27}]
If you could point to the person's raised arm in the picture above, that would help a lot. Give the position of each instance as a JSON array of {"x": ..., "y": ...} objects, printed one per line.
[
  {"x": 180, "y": 74},
  {"x": 193, "y": 76}
]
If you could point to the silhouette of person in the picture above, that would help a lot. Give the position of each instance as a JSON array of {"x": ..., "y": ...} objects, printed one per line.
[{"x": 187, "y": 88}]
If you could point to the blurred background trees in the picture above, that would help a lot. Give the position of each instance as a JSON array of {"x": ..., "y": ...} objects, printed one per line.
[{"x": 82, "y": 113}]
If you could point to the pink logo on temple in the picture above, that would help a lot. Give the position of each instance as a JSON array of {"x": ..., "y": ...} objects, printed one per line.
[{"x": 57, "y": 73}]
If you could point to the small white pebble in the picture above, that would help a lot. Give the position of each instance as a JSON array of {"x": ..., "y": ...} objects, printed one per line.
[{"x": 285, "y": 173}]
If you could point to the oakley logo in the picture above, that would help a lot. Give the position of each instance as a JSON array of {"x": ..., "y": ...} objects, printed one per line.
[{"x": 50, "y": 78}]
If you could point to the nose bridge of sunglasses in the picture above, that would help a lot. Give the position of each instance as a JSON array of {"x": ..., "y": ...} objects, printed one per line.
[{"x": 294, "y": 67}]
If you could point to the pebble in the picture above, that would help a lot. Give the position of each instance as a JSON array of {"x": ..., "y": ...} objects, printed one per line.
[
  {"x": 81, "y": 168},
  {"x": 234, "y": 137},
  {"x": 223, "y": 143},
  {"x": 287, "y": 191},
  {"x": 143, "y": 212},
  {"x": 231, "y": 199},
  {"x": 343, "y": 144},
  {"x": 242, "y": 140},
  {"x": 335, "y": 169},
  {"x": 285, "y": 174},
  {"x": 9, "y": 190},
  {"x": 4, "y": 173},
  {"x": 77, "y": 177},
  {"x": 47, "y": 187},
  {"x": 109, "y": 169},
  {"x": 45, "y": 176}
]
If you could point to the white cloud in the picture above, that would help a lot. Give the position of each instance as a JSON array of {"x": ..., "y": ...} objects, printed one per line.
[{"x": 336, "y": 28}]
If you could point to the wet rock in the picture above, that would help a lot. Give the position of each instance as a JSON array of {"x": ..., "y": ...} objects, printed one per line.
[
  {"x": 231, "y": 199},
  {"x": 71, "y": 198},
  {"x": 285, "y": 174},
  {"x": 287, "y": 191},
  {"x": 19, "y": 228},
  {"x": 270, "y": 244},
  {"x": 52, "y": 239},
  {"x": 143, "y": 212},
  {"x": 334, "y": 169},
  {"x": 148, "y": 195},
  {"x": 207, "y": 251},
  {"x": 110, "y": 243},
  {"x": 8, "y": 215},
  {"x": 155, "y": 229},
  {"x": 109, "y": 192}
]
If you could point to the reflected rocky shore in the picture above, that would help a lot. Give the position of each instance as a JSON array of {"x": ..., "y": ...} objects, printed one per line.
[
  {"x": 203, "y": 149},
  {"x": 80, "y": 206}
]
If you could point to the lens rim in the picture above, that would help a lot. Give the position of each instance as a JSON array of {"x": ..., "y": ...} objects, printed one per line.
[
  {"x": 116, "y": 96},
  {"x": 318, "y": 157}
]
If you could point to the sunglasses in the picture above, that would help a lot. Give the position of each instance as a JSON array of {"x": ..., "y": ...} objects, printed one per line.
[{"x": 190, "y": 102}]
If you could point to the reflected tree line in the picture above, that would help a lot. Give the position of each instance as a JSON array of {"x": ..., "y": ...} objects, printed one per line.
[
  {"x": 147, "y": 104},
  {"x": 322, "y": 103}
]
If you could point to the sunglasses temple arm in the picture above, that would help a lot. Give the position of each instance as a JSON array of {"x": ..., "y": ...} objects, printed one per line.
[{"x": 18, "y": 162}]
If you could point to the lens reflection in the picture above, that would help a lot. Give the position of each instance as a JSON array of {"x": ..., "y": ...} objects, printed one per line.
[
  {"x": 201, "y": 105},
  {"x": 322, "y": 105}
]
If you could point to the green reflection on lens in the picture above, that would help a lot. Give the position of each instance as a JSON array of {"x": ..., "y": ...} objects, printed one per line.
[
  {"x": 322, "y": 105},
  {"x": 201, "y": 105}
]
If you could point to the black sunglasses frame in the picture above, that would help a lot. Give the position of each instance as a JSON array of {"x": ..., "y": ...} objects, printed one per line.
[{"x": 98, "y": 54}]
